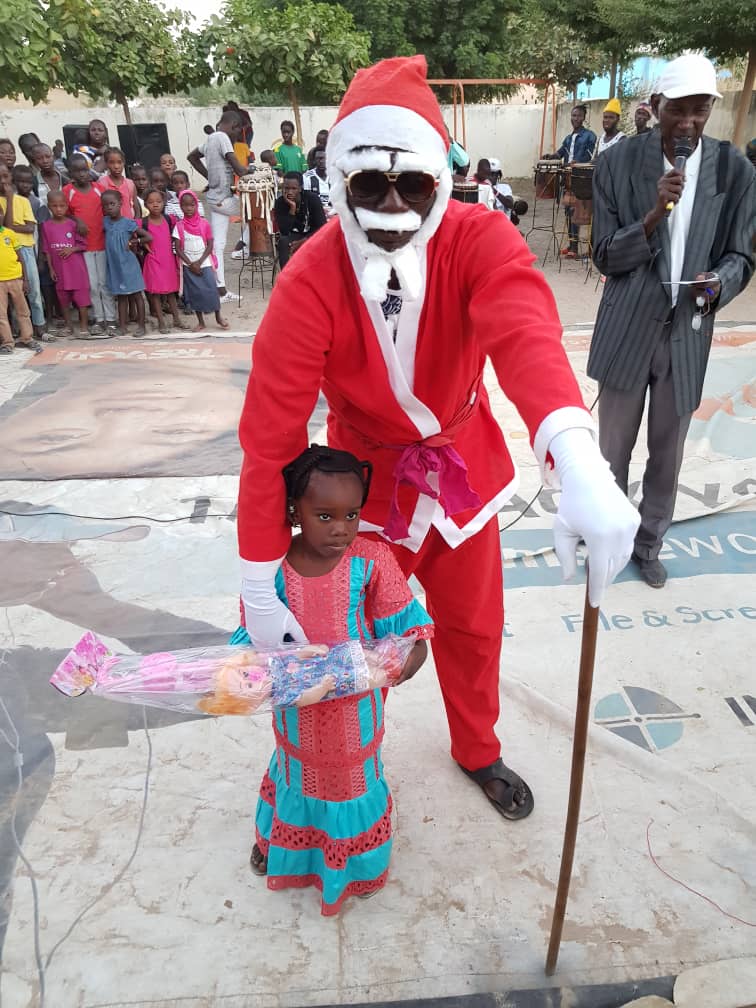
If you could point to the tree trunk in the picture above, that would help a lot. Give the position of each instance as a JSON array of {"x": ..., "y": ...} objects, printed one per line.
[
  {"x": 613, "y": 78},
  {"x": 297, "y": 120},
  {"x": 620, "y": 81},
  {"x": 124, "y": 103},
  {"x": 738, "y": 133}
]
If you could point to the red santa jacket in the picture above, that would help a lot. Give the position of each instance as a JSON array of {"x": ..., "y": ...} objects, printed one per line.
[{"x": 482, "y": 299}]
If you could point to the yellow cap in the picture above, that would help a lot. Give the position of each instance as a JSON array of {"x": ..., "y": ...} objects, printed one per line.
[{"x": 613, "y": 105}]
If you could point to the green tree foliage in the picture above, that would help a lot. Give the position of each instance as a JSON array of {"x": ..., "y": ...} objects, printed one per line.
[
  {"x": 32, "y": 41},
  {"x": 310, "y": 49},
  {"x": 457, "y": 38},
  {"x": 723, "y": 31},
  {"x": 494, "y": 38},
  {"x": 540, "y": 48},
  {"x": 129, "y": 47}
]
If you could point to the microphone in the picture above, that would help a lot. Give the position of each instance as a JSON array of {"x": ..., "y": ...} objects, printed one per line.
[{"x": 683, "y": 150}]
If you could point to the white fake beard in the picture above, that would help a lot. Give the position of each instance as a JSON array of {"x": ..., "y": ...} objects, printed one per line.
[
  {"x": 371, "y": 220},
  {"x": 407, "y": 261},
  {"x": 380, "y": 262}
]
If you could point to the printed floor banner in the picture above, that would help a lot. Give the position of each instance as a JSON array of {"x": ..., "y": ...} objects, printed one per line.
[{"x": 136, "y": 827}]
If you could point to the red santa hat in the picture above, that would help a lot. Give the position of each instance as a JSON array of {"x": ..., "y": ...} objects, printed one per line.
[
  {"x": 389, "y": 120},
  {"x": 401, "y": 83}
]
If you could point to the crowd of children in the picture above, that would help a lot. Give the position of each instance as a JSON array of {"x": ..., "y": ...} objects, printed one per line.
[{"x": 84, "y": 233}]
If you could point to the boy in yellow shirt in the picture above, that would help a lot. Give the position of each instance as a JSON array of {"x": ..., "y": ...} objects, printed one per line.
[
  {"x": 17, "y": 215},
  {"x": 12, "y": 288}
]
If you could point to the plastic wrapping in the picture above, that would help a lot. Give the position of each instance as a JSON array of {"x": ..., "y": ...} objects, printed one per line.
[{"x": 234, "y": 679}]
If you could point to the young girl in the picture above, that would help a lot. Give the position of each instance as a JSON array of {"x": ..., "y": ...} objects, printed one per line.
[
  {"x": 160, "y": 269},
  {"x": 324, "y": 812},
  {"x": 64, "y": 248},
  {"x": 179, "y": 182},
  {"x": 97, "y": 140},
  {"x": 168, "y": 164},
  {"x": 194, "y": 246},
  {"x": 124, "y": 274},
  {"x": 114, "y": 178},
  {"x": 138, "y": 175}
]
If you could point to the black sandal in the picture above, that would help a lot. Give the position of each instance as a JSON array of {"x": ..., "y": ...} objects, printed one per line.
[
  {"x": 257, "y": 862},
  {"x": 518, "y": 798}
]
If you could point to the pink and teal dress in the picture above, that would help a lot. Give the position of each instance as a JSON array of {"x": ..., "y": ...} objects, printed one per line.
[{"x": 324, "y": 813}]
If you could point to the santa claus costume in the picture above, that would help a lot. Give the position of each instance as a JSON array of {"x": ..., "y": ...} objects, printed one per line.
[{"x": 396, "y": 337}]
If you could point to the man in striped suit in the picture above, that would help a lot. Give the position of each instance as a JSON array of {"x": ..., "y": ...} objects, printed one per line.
[{"x": 656, "y": 228}]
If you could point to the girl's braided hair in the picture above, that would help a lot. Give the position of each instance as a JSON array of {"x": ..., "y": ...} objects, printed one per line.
[{"x": 318, "y": 458}]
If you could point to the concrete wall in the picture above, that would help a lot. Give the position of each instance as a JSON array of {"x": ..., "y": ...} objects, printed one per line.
[{"x": 508, "y": 132}]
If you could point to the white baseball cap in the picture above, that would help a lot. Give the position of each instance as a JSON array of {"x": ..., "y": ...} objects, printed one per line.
[
  {"x": 687, "y": 75},
  {"x": 495, "y": 164}
]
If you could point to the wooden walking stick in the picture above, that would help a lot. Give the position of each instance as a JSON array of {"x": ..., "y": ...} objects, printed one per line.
[{"x": 582, "y": 715}]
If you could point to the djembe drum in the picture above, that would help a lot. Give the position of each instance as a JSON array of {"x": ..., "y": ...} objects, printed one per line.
[
  {"x": 546, "y": 174},
  {"x": 579, "y": 184},
  {"x": 257, "y": 194},
  {"x": 465, "y": 192}
]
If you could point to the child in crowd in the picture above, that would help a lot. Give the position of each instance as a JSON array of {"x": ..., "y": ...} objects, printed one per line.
[
  {"x": 12, "y": 284},
  {"x": 194, "y": 246},
  {"x": 114, "y": 178},
  {"x": 168, "y": 164},
  {"x": 289, "y": 157},
  {"x": 268, "y": 157},
  {"x": 16, "y": 215},
  {"x": 160, "y": 269},
  {"x": 138, "y": 175},
  {"x": 7, "y": 153},
  {"x": 331, "y": 828},
  {"x": 49, "y": 179},
  {"x": 83, "y": 147},
  {"x": 159, "y": 181},
  {"x": 98, "y": 142},
  {"x": 64, "y": 248},
  {"x": 125, "y": 280},
  {"x": 85, "y": 206},
  {"x": 59, "y": 155},
  {"x": 179, "y": 182},
  {"x": 26, "y": 142},
  {"x": 321, "y": 139},
  {"x": 23, "y": 182}
]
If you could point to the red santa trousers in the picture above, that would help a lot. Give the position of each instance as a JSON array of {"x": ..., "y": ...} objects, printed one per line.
[{"x": 465, "y": 598}]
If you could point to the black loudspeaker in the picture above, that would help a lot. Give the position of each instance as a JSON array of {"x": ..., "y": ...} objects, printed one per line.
[
  {"x": 143, "y": 143},
  {"x": 69, "y": 137}
]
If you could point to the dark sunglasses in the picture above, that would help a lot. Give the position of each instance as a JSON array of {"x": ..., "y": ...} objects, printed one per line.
[{"x": 412, "y": 186}]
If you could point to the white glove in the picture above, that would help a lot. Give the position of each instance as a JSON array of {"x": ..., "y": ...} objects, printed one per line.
[
  {"x": 592, "y": 508},
  {"x": 267, "y": 618}
]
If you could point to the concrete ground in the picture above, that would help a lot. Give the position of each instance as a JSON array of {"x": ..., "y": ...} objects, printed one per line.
[{"x": 132, "y": 888}]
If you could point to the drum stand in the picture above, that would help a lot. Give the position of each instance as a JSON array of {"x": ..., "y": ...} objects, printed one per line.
[
  {"x": 584, "y": 253},
  {"x": 551, "y": 228},
  {"x": 259, "y": 263}
]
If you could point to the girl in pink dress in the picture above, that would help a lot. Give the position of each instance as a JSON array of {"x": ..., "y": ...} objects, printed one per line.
[
  {"x": 324, "y": 812},
  {"x": 160, "y": 268}
]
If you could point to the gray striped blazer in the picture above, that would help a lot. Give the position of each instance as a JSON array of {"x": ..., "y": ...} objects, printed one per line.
[{"x": 635, "y": 305}]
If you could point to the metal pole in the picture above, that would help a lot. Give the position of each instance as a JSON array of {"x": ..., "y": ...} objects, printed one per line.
[{"x": 582, "y": 716}]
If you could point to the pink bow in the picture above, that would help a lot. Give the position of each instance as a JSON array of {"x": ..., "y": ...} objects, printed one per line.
[{"x": 415, "y": 462}]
